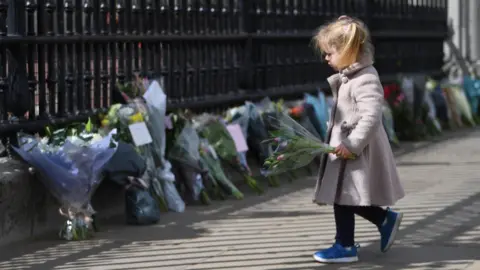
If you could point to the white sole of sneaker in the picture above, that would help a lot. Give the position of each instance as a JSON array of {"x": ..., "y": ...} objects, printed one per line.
[
  {"x": 339, "y": 260},
  {"x": 396, "y": 228}
]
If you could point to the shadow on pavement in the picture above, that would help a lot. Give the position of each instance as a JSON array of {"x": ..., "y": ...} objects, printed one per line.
[{"x": 282, "y": 227}]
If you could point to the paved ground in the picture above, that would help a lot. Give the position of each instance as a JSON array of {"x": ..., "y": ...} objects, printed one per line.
[{"x": 441, "y": 228}]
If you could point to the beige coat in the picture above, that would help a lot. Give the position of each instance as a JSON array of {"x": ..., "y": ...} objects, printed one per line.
[{"x": 356, "y": 121}]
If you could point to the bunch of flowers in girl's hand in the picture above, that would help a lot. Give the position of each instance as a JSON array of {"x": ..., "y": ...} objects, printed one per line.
[{"x": 295, "y": 147}]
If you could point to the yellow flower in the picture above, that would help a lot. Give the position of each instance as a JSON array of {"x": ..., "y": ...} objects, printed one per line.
[
  {"x": 136, "y": 118},
  {"x": 105, "y": 122}
]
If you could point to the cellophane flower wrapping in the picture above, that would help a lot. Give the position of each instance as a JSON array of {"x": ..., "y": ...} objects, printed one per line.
[
  {"x": 388, "y": 123},
  {"x": 407, "y": 85},
  {"x": 472, "y": 91},
  {"x": 295, "y": 148},
  {"x": 309, "y": 120},
  {"x": 257, "y": 132},
  {"x": 257, "y": 136},
  {"x": 275, "y": 117},
  {"x": 270, "y": 113},
  {"x": 405, "y": 126},
  {"x": 463, "y": 107},
  {"x": 212, "y": 162},
  {"x": 156, "y": 102},
  {"x": 185, "y": 152},
  {"x": 431, "y": 109},
  {"x": 238, "y": 116},
  {"x": 414, "y": 91},
  {"x": 71, "y": 172},
  {"x": 118, "y": 119},
  {"x": 439, "y": 100},
  {"x": 453, "y": 113},
  {"x": 215, "y": 131}
]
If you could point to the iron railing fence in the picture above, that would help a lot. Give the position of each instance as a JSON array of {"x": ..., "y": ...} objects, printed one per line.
[{"x": 60, "y": 60}]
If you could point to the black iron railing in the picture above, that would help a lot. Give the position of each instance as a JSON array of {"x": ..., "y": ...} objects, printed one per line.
[{"x": 60, "y": 59}]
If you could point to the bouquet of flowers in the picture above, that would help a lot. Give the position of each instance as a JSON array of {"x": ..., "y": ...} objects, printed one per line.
[
  {"x": 472, "y": 91},
  {"x": 405, "y": 126},
  {"x": 303, "y": 112},
  {"x": 296, "y": 147},
  {"x": 69, "y": 163},
  {"x": 388, "y": 124},
  {"x": 250, "y": 123},
  {"x": 439, "y": 101},
  {"x": 453, "y": 111},
  {"x": 213, "y": 163},
  {"x": 463, "y": 105},
  {"x": 118, "y": 121},
  {"x": 185, "y": 154},
  {"x": 431, "y": 118},
  {"x": 156, "y": 102},
  {"x": 257, "y": 134},
  {"x": 274, "y": 113},
  {"x": 215, "y": 132}
]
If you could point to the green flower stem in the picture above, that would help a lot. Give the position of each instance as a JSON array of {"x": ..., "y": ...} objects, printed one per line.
[
  {"x": 218, "y": 174},
  {"x": 162, "y": 204},
  {"x": 273, "y": 181},
  {"x": 204, "y": 198},
  {"x": 252, "y": 183}
]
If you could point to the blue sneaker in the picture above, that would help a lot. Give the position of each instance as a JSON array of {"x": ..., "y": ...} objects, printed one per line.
[
  {"x": 337, "y": 254},
  {"x": 389, "y": 229}
]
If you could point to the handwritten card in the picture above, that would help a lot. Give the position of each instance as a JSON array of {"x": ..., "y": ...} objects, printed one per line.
[
  {"x": 237, "y": 135},
  {"x": 140, "y": 134}
]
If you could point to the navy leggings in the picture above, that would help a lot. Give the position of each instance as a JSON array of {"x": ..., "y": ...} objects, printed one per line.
[{"x": 345, "y": 220}]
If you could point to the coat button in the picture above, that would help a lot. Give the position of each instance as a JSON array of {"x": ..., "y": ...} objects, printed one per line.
[{"x": 344, "y": 79}]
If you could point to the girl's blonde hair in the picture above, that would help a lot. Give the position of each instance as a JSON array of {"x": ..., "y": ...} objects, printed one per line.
[{"x": 349, "y": 36}]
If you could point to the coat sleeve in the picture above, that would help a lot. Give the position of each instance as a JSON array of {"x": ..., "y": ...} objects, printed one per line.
[{"x": 368, "y": 96}]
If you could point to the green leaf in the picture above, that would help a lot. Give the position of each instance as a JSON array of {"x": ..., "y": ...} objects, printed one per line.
[
  {"x": 89, "y": 126},
  {"x": 48, "y": 131}
]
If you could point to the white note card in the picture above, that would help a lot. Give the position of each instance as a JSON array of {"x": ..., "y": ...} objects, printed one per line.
[
  {"x": 236, "y": 132},
  {"x": 140, "y": 134}
]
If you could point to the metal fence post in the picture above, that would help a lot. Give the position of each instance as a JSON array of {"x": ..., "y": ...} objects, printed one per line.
[
  {"x": 368, "y": 9},
  {"x": 248, "y": 25},
  {"x": 18, "y": 83},
  {"x": 220, "y": 53},
  {"x": 18, "y": 96}
]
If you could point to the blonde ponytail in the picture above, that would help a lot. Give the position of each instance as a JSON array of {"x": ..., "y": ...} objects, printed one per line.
[
  {"x": 352, "y": 46},
  {"x": 348, "y": 36}
]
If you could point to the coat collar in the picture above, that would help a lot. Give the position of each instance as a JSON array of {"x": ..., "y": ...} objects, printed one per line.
[{"x": 343, "y": 75}]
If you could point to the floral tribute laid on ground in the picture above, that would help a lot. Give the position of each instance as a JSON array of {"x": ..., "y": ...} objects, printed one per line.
[{"x": 167, "y": 161}]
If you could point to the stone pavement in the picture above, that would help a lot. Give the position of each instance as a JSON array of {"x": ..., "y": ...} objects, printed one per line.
[{"x": 281, "y": 230}]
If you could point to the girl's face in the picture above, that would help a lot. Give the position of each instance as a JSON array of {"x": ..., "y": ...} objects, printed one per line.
[{"x": 333, "y": 58}]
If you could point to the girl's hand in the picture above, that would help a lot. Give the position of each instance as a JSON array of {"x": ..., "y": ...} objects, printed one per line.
[{"x": 342, "y": 151}]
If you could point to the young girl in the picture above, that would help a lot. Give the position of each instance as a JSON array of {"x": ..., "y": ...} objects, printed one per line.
[{"x": 361, "y": 185}]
